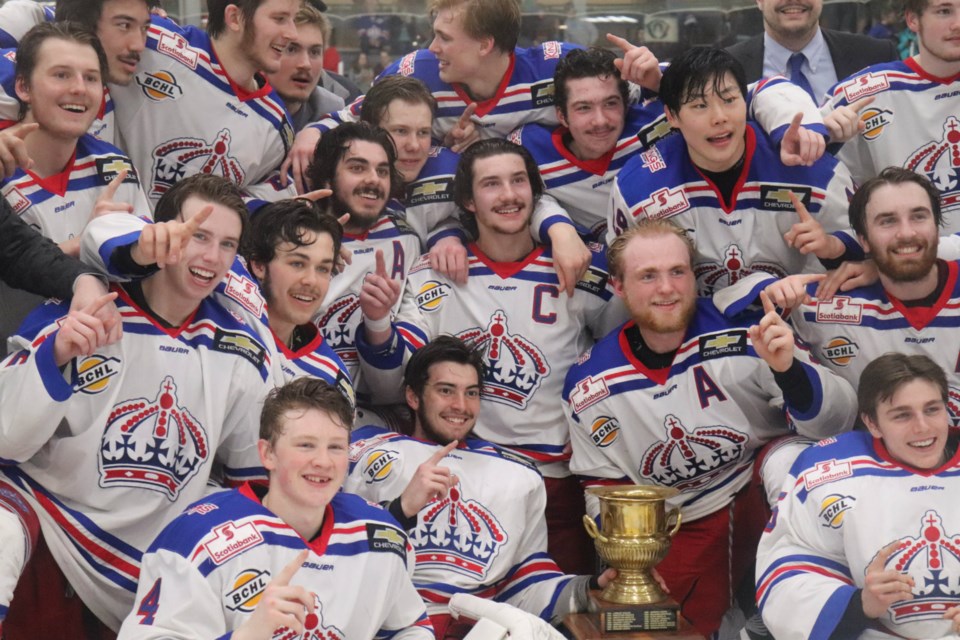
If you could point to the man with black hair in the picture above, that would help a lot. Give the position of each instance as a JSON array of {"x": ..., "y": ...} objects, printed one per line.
[{"x": 723, "y": 180}]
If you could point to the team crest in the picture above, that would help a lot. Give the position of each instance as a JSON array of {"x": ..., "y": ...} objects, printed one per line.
[
  {"x": 691, "y": 459},
  {"x": 378, "y": 465},
  {"x": 953, "y": 405},
  {"x": 840, "y": 350},
  {"x": 94, "y": 373},
  {"x": 458, "y": 534},
  {"x": 152, "y": 444},
  {"x": 832, "y": 509},
  {"x": 931, "y": 559},
  {"x": 314, "y": 627},
  {"x": 175, "y": 159},
  {"x": 939, "y": 160},
  {"x": 339, "y": 323},
  {"x": 713, "y": 276},
  {"x": 515, "y": 365}
]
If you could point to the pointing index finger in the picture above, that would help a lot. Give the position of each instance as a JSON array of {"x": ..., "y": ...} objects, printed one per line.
[
  {"x": 799, "y": 208},
  {"x": 621, "y": 43},
  {"x": 316, "y": 194},
  {"x": 795, "y": 123},
  {"x": 100, "y": 302},
  {"x": 767, "y": 303},
  {"x": 862, "y": 103},
  {"x": 440, "y": 454},
  {"x": 195, "y": 221},
  {"x": 111, "y": 189},
  {"x": 23, "y": 130},
  {"x": 464, "y": 119},
  {"x": 880, "y": 560},
  {"x": 284, "y": 575},
  {"x": 381, "y": 264}
]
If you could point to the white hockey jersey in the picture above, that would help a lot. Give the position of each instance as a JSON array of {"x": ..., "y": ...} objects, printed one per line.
[
  {"x": 488, "y": 537},
  {"x": 745, "y": 235},
  {"x": 19, "y": 16},
  {"x": 530, "y": 333},
  {"x": 697, "y": 426},
  {"x": 315, "y": 359},
  {"x": 207, "y": 571},
  {"x": 114, "y": 446},
  {"x": 845, "y": 500},
  {"x": 183, "y": 115}
]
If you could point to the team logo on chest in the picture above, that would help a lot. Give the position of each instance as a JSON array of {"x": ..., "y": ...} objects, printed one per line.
[
  {"x": 690, "y": 459},
  {"x": 732, "y": 268},
  {"x": 314, "y": 627},
  {"x": 152, "y": 444},
  {"x": 339, "y": 323},
  {"x": 175, "y": 159},
  {"x": 932, "y": 559},
  {"x": 939, "y": 160},
  {"x": 953, "y": 405},
  {"x": 515, "y": 365},
  {"x": 458, "y": 534}
]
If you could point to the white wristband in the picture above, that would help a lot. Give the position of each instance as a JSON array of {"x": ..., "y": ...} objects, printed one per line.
[{"x": 383, "y": 324}]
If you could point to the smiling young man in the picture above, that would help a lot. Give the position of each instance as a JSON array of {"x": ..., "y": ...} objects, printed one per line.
[
  {"x": 513, "y": 309},
  {"x": 201, "y": 104},
  {"x": 296, "y": 559},
  {"x": 684, "y": 398},
  {"x": 723, "y": 180},
  {"x": 860, "y": 544},
  {"x": 113, "y": 445}
]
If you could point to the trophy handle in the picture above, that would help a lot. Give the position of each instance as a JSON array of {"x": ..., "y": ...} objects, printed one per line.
[
  {"x": 592, "y": 530},
  {"x": 676, "y": 527}
]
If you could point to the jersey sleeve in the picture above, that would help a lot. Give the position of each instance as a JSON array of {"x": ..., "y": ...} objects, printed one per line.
[
  {"x": 547, "y": 213},
  {"x": 103, "y": 235},
  {"x": 619, "y": 216},
  {"x": 773, "y": 103},
  {"x": 350, "y": 113}
]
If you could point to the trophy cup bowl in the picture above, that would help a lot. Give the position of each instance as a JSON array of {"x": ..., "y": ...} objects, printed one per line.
[{"x": 634, "y": 535}]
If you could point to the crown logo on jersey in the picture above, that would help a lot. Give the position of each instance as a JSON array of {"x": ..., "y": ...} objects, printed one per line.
[
  {"x": 714, "y": 276},
  {"x": 953, "y": 405},
  {"x": 339, "y": 323},
  {"x": 690, "y": 459},
  {"x": 939, "y": 159},
  {"x": 932, "y": 559},
  {"x": 313, "y": 627},
  {"x": 180, "y": 157},
  {"x": 515, "y": 366},
  {"x": 152, "y": 444},
  {"x": 458, "y": 534}
]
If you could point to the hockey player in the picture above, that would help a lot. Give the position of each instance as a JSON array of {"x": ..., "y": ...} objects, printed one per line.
[
  {"x": 200, "y": 103},
  {"x": 120, "y": 25},
  {"x": 862, "y": 542},
  {"x": 291, "y": 252},
  {"x": 513, "y": 309},
  {"x": 681, "y": 397},
  {"x": 912, "y": 122},
  {"x": 113, "y": 444},
  {"x": 464, "y": 502},
  {"x": 298, "y": 558},
  {"x": 723, "y": 180}
]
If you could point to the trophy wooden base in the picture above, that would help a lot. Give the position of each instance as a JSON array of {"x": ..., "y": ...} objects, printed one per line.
[{"x": 612, "y": 621}]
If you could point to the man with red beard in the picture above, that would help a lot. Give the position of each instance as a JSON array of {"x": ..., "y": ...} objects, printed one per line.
[{"x": 697, "y": 396}]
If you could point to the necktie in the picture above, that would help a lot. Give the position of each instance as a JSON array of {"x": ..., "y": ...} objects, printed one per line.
[{"x": 797, "y": 77}]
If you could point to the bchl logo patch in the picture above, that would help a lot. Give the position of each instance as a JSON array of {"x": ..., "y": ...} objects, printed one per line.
[
  {"x": 378, "y": 465},
  {"x": 159, "y": 86},
  {"x": 832, "y": 509},
  {"x": 431, "y": 295},
  {"x": 826, "y": 471},
  {"x": 94, "y": 374},
  {"x": 588, "y": 391},
  {"x": 228, "y": 540},
  {"x": 839, "y": 310},
  {"x": 874, "y": 122},
  {"x": 248, "y": 588},
  {"x": 840, "y": 350},
  {"x": 774, "y": 197},
  {"x": 177, "y": 47},
  {"x": 865, "y": 85},
  {"x": 604, "y": 431},
  {"x": 664, "y": 203}
]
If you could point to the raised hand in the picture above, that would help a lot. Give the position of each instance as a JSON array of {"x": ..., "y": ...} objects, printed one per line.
[
  {"x": 791, "y": 292},
  {"x": 465, "y": 133},
  {"x": 82, "y": 332},
  {"x": 281, "y": 606},
  {"x": 801, "y": 146},
  {"x": 299, "y": 158},
  {"x": 882, "y": 587},
  {"x": 844, "y": 122},
  {"x": 430, "y": 482},
  {"x": 772, "y": 338},
  {"x": 808, "y": 235},
  {"x": 638, "y": 65},
  {"x": 105, "y": 201},
  {"x": 13, "y": 149},
  {"x": 162, "y": 243}
]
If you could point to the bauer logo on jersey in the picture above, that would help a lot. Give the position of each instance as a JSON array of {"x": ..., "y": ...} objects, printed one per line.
[
  {"x": 17, "y": 200},
  {"x": 378, "y": 464},
  {"x": 839, "y": 310},
  {"x": 664, "y": 203},
  {"x": 239, "y": 344},
  {"x": 177, "y": 47},
  {"x": 653, "y": 133},
  {"x": 159, "y": 86},
  {"x": 94, "y": 373},
  {"x": 874, "y": 122},
  {"x": 588, "y": 391},
  {"x": 832, "y": 509},
  {"x": 543, "y": 94},
  {"x": 604, "y": 431},
  {"x": 932, "y": 559},
  {"x": 840, "y": 351},
  {"x": 652, "y": 160},
  {"x": 688, "y": 459},
  {"x": 515, "y": 366},
  {"x": 865, "y": 85},
  {"x": 720, "y": 345},
  {"x": 826, "y": 471},
  {"x": 430, "y": 191},
  {"x": 248, "y": 588},
  {"x": 386, "y": 539},
  {"x": 431, "y": 295},
  {"x": 228, "y": 540},
  {"x": 180, "y": 157},
  {"x": 152, "y": 443},
  {"x": 109, "y": 168},
  {"x": 458, "y": 534},
  {"x": 776, "y": 197}
]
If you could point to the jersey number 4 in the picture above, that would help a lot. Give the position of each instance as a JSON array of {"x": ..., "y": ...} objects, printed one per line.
[{"x": 150, "y": 604}]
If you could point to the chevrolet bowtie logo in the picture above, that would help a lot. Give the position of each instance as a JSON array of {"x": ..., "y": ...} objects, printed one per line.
[
  {"x": 240, "y": 341},
  {"x": 661, "y": 129},
  {"x": 116, "y": 166},
  {"x": 721, "y": 341},
  {"x": 429, "y": 189},
  {"x": 782, "y": 195},
  {"x": 389, "y": 535}
]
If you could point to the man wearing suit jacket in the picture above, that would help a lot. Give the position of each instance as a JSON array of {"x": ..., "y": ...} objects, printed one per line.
[{"x": 792, "y": 27}]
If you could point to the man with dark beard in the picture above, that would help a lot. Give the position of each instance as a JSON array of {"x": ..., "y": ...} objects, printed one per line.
[
  {"x": 473, "y": 510},
  {"x": 357, "y": 162},
  {"x": 689, "y": 397}
]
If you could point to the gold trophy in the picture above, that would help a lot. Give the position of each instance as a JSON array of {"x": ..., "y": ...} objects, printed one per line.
[{"x": 634, "y": 535}]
